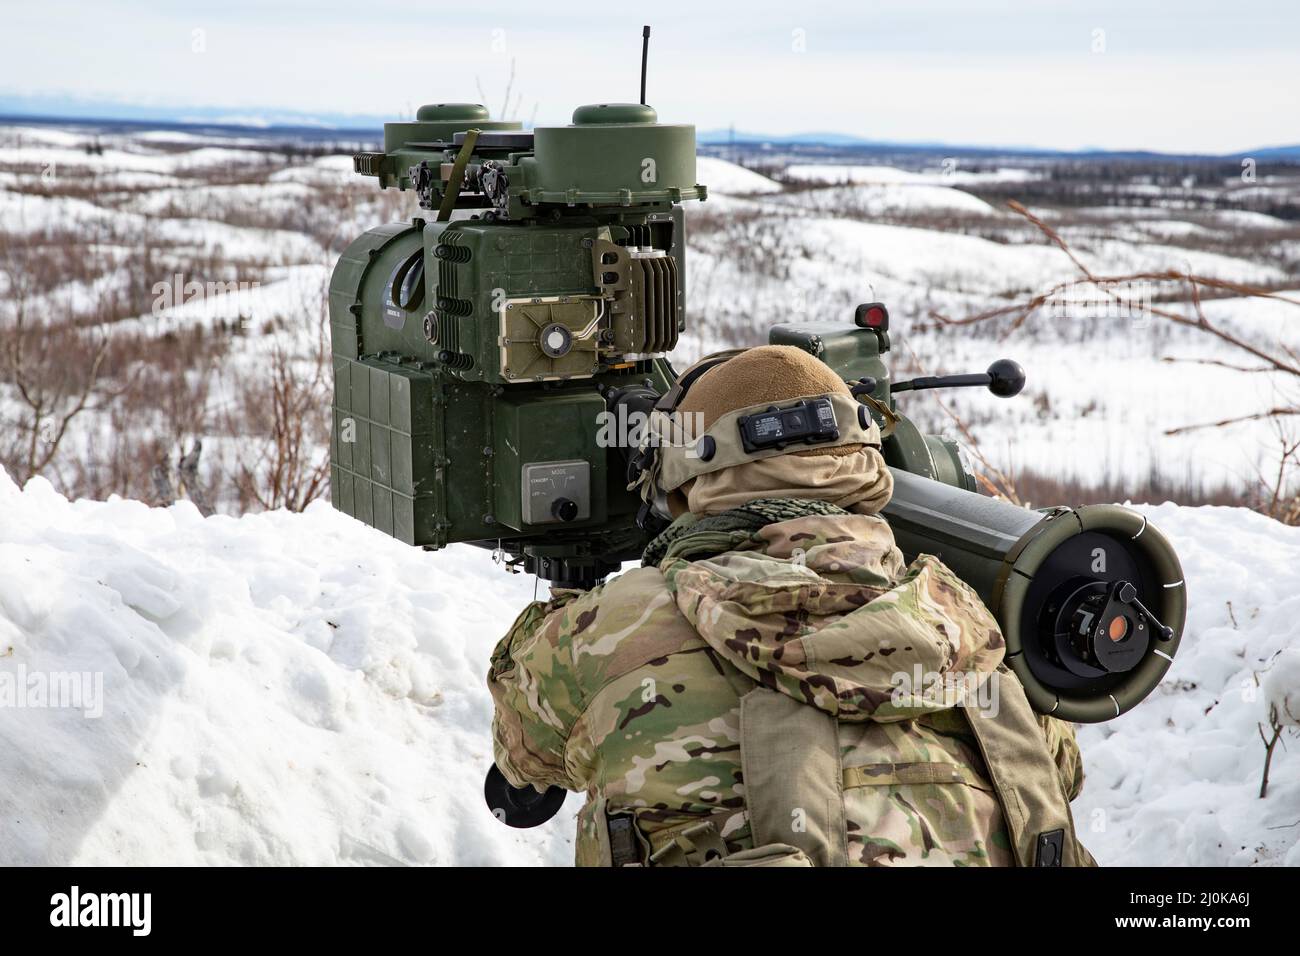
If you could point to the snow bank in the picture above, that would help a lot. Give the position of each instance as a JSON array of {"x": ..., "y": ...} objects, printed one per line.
[
  {"x": 1282, "y": 688},
  {"x": 729, "y": 179},
  {"x": 288, "y": 688},
  {"x": 276, "y": 689},
  {"x": 884, "y": 199},
  {"x": 879, "y": 175},
  {"x": 1176, "y": 781},
  {"x": 324, "y": 171}
]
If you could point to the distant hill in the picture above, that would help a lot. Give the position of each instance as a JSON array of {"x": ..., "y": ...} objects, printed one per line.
[
  {"x": 847, "y": 143},
  {"x": 1289, "y": 153},
  {"x": 342, "y": 127}
]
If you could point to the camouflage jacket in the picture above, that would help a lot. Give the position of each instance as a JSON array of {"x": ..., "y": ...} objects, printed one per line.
[{"x": 634, "y": 691}]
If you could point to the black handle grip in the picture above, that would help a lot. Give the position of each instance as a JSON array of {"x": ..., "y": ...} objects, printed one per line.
[
  {"x": 1004, "y": 378},
  {"x": 520, "y": 807}
]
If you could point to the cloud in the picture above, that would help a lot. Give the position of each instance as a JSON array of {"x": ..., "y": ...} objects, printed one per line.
[{"x": 1000, "y": 73}]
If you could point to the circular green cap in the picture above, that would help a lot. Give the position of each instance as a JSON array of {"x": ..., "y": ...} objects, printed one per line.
[
  {"x": 451, "y": 112},
  {"x": 600, "y": 114}
]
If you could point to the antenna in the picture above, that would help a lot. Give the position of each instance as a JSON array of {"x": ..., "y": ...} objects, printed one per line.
[{"x": 645, "y": 54}]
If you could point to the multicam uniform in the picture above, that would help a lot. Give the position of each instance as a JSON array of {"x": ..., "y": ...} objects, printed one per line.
[{"x": 784, "y": 692}]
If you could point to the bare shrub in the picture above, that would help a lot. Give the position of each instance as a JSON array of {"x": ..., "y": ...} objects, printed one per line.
[
  {"x": 52, "y": 370},
  {"x": 161, "y": 415},
  {"x": 282, "y": 412},
  {"x": 1279, "y": 496}
]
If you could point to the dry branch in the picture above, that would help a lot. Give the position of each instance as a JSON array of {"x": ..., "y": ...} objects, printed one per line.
[{"x": 1280, "y": 501}]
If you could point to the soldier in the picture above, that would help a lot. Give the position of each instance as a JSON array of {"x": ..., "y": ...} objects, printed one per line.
[{"x": 773, "y": 686}]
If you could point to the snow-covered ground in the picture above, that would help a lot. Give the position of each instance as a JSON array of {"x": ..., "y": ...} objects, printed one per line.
[
  {"x": 728, "y": 179},
  {"x": 1100, "y": 396},
  {"x": 1176, "y": 780},
  {"x": 946, "y": 173},
  {"x": 280, "y": 688},
  {"x": 297, "y": 688},
  {"x": 806, "y": 250}
]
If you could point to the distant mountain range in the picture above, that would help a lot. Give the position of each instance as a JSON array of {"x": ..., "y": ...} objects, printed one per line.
[
  {"x": 844, "y": 141},
  {"x": 350, "y": 128}
]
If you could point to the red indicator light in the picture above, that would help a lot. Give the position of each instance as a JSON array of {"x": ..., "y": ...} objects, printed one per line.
[{"x": 872, "y": 315}]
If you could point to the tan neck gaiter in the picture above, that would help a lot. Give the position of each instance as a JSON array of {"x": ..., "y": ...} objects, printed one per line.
[{"x": 860, "y": 482}]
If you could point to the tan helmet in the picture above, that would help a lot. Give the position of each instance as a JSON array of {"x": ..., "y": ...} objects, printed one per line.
[
  {"x": 768, "y": 374},
  {"x": 734, "y": 410}
]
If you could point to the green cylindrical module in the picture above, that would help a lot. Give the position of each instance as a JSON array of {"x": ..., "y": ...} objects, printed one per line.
[
  {"x": 439, "y": 122},
  {"x": 613, "y": 153},
  {"x": 1051, "y": 580}
]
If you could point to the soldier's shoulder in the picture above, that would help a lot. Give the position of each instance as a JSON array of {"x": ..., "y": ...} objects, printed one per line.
[
  {"x": 605, "y": 632},
  {"x": 631, "y": 597}
]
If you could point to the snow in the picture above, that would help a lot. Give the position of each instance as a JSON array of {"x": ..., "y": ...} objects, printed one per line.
[
  {"x": 880, "y": 175},
  {"x": 324, "y": 171},
  {"x": 290, "y": 293},
  {"x": 883, "y": 199},
  {"x": 75, "y": 157},
  {"x": 1176, "y": 780},
  {"x": 25, "y": 213},
  {"x": 218, "y": 202},
  {"x": 238, "y": 242},
  {"x": 28, "y": 136},
  {"x": 1281, "y": 687},
  {"x": 276, "y": 689},
  {"x": 918, "y": 240},
  {"x": 299, "y": 689},
  {"x": 1245, "y": 219},
  {"x": 1098, "y": 403},
  {"x": 730, "y": 179}
]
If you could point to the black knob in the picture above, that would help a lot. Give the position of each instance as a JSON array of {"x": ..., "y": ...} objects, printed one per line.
[
  {"x": 565, "y": 509},
  {"x": 1006, "y": 378},
  {"x": 521, "y": 807}
]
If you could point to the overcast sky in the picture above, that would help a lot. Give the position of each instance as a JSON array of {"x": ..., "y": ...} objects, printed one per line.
[{"x": 1180, "y": 76}]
